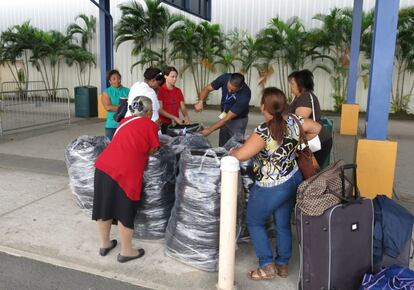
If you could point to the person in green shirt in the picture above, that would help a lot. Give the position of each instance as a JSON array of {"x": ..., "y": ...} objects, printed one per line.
[{"x": 110, "y": 100}]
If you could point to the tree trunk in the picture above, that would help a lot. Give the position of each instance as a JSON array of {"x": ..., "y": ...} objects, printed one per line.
[
  {"x": 195, "y": 80},
  {"x": 14, "y": 76},
  {"x": 46, "y": 76},
  {"x": 412, "y": 88},
  {"x": 279, "y": 68},
  {"x": 58, "y": 75},
  {"x": 78, "y": 73},
  {"x": 397, "y": 89},
  {"x": 27, "y": 71}
]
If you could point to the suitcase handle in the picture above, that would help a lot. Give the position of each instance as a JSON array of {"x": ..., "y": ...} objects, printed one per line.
[{"x": 357, "y": 195}]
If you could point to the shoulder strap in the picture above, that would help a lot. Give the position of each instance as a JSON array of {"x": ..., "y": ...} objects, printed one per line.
[
  {"x": 302, "y": 137},
  {"x": 130, "y": 120},
  {"x": 313, "y": 106}
]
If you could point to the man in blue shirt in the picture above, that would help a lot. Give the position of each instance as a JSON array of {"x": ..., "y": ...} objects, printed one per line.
[{"x": 234, "y": 106}]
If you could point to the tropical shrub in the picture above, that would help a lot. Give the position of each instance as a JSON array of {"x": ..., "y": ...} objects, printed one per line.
[{"x": 83, "y": 57}]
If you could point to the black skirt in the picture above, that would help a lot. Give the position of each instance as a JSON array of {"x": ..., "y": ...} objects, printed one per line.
[{"x": 111, "y": 202}]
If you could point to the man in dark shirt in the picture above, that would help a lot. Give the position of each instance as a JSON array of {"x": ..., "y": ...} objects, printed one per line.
[{"x": 235, "y": 100}]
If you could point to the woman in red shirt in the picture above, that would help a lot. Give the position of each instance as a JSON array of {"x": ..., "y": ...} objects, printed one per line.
[
  {"x": 171, "y": 100},
  {"x": 118, "y": 178}
]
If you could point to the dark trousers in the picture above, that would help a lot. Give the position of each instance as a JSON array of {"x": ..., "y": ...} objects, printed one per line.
[
  {"x": 233, "y": 127},
  {"x": 109, "y": 132},
  {"x": 323, "y": 154},
  {"x": 164, "y": 127}
]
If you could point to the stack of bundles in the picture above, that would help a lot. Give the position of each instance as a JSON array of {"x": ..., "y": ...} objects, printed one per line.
[
  {"x": 247, "y": 178},
  {"x": 157, "y": 197},
  {"x": 182, "y": 130},
  {"x": 80, "y": 157},
  {"x": 192, "y": 234}
]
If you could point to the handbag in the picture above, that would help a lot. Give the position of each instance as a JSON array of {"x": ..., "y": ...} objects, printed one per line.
[
  {"x": 328, "y": 188},
  {"x": 122, "y": 110},
  {"x": 306, "y": 160},
  {"x": 307, "y": 163},
  {"x": 315, "y": 143}
]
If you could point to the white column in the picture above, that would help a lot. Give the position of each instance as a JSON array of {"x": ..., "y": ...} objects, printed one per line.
[{"x": 228, "y": 211}]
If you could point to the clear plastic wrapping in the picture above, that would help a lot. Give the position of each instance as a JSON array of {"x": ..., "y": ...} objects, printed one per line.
[
  {"x": 189, "y": 141},
  {"x": 80, "y": 157},
  {"x": 157, "y": 196},
  {"x": 246, "y": 167},
  {"x": 192, "y": 234}
]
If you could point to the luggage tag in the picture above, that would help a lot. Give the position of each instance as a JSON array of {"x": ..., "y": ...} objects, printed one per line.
[{"x": 222, "y": 115}]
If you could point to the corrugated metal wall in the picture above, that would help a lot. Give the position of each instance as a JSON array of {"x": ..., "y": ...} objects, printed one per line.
[{"x": 245, "y": 15}]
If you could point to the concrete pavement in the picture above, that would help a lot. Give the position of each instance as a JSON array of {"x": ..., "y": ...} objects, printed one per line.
[
  {"x": 40, "y": 220},
  {"x": 27, "y": 274}
]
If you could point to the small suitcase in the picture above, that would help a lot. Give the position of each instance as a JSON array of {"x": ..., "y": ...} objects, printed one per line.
[{"x": 336, "y": 248}]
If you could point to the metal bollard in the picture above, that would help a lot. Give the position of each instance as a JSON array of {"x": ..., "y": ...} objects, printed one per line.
[{"x": 228, "y": 211}]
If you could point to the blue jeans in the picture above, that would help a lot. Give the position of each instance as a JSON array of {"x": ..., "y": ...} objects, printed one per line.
[
  {"x": 277, "y": 201},
  {"x": 109, "y": 132}
]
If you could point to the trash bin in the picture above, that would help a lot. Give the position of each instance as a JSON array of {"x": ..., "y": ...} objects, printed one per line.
[
  {"x": 86, "y": 104},
  {"x": 327, "y": 123}
]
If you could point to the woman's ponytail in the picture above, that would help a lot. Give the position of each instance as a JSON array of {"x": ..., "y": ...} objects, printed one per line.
[{"x": 274, "y": 101}]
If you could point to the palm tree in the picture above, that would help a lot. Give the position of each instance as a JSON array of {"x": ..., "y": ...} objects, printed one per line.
[
  {"x": 333, "y": 42},
  {"x": 198, "y": 46},
  {"x": 248, "y": 54},
  {"x": 144, "y": 27},
  {"x": 230, "y": 54},
  {"x": 211, "y": 43},
  {"x": 404, "y": 61},
  {"x": 87, "y": 33},
  {"x": 226, "y": 60},
  {"x": 16, "y": 42},
  {"x": 284, "y": 44},
  {"x": 184, "y": 39},
  {"x": 81, "y": 58},
  {"x": 48, "y": 52},
  {"x": 366, "y": 44}
]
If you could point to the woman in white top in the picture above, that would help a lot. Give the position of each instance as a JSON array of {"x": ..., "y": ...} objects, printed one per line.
[{"x": 153, "y": 79}]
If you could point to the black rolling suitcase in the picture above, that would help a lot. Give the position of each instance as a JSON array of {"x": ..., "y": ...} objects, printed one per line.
[{"x": 336, "y": 247}]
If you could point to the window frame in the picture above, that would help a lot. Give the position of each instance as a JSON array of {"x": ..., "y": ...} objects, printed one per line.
[{"x": 187, "y": 7}]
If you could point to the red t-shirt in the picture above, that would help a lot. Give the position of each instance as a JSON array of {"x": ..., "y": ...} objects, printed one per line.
[
  {"x": 170, "y": 101},
  {"x": 126, "y": 157}
]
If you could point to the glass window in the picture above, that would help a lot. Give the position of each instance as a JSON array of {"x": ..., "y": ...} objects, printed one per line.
[{"x": 200, "y": 8}]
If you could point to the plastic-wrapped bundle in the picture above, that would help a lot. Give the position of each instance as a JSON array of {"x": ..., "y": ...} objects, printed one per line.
[
  {"x": 80, "y": 157},
  {"x": 246, "y": 167},
  {"x": 189, "y": 141},
  {"x": 182, "y": 130},
  {"x": 157, "y": 197},
  {"x": 192, "y": 234}
]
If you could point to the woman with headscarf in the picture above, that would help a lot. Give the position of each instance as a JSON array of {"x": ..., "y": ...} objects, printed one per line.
[{"x": 118, "y": 178}]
